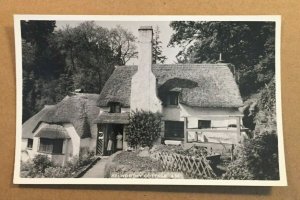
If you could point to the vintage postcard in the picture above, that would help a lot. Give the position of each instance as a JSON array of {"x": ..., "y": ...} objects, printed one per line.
[{"x": 162, "y": 100}]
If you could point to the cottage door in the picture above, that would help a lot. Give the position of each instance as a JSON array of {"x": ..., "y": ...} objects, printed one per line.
[{"x": 100, "y": 142}]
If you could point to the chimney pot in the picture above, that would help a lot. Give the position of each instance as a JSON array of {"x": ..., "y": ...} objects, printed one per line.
[{"x": 220, "y": 58}]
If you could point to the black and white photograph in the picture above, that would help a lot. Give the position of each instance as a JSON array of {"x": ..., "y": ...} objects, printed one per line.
[{"x": 171, "y": 100}]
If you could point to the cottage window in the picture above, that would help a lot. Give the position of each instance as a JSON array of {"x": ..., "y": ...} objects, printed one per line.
[
  {"x": 171, "y": 99},
  {"x": 202, "y": 124},
  {"x": 174, "y": 129},
  {"x": 115, "y": 108},
  {"x": 29, "y": 143},
  {"x": 51, "y": 146}
]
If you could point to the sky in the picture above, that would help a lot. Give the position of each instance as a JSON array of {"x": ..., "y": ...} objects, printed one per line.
[{"x": 132, "y": 26}]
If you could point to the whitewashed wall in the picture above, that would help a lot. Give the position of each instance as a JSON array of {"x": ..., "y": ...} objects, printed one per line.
[
  {"x": 220, "y": 119},
  {"x": 74, "y": 137}
]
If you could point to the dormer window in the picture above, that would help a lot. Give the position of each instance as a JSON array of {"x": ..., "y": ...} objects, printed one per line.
[
  {"x": 171, "y": 99},
  {"x": 115, "y": 107}
]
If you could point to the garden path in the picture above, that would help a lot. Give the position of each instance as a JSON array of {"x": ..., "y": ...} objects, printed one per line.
[{"x": 98, "y": 170}]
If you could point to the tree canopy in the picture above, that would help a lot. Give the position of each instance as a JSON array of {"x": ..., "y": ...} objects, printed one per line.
[
  {"x": 248, "y": 46},
  {"x": 157, "y": 55},
  {"x": 123, "y": 44},
  {"x": 58, "y": 61}
]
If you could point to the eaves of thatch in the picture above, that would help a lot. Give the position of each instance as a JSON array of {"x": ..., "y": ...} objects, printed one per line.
[
  {"x": 112, "y": 118},
  {"x": 201, "y": 85},
  {"x": 53, "y": 131}
]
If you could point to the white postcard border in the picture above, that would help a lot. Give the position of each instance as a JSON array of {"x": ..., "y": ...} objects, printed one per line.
[{"x": 117, "y": 181}]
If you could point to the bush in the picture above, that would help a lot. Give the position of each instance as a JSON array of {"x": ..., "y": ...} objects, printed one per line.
[
  {"x": 41, "y": 166},
  {"x": 80, "y": 161},
  {"x": 26, "y": 166},
  {"x": 126, "y": 163},
  {"x": 143, "y": 129},
  {"x": 27, "y": 169},
  {"x": 197, "y": 151},
  {"x": 41, "y": 162},
  {"x": 238, "y": 169},
  {"x": 257, "y": 160},
  {"x": 58, "y": 172},
  {"x": 262, "y": 156}
]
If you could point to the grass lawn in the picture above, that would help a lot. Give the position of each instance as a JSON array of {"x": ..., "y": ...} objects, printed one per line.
[{"x": 131, "y": 161}]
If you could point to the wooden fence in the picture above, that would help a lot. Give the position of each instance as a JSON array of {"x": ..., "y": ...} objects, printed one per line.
[{"x": 195, "y": 167}]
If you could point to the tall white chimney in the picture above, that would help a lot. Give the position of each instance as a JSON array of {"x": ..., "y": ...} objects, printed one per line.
[{"x": 143, "y": 83}]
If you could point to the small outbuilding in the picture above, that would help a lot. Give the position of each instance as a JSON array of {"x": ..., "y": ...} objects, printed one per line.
[{"x": 62, "y": 131}]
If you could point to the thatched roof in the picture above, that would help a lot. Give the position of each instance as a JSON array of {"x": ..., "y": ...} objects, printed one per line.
[
  {"x": 79, "y": 110},
  {"x": 53, "y": 131},
  {"x": 112, "y": 118},
  {"x": 202, "y": 85},
  {"x": 30, "y": 125}
]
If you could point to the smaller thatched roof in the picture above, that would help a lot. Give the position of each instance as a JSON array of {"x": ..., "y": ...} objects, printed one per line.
[
  {"x": 80, "y": 110},
  {"x": 30, "y": 125},
  {"x": 112, "y": 118},
  {"x": 53, "y": 131},
  {"x": 203, "y": 85}
]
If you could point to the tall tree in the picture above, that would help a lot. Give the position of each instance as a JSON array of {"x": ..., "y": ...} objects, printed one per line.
[
  {"x": 42, "y": 65},
  {"x": 89, "y": 57},
  {"x": 157, "y": 55},
  {"x": 249, "y": 46},
  {"x": 123, "y": 44}
]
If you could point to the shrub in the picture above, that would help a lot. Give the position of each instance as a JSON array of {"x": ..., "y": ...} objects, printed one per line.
[
  {"x": 27, "y": 169},
  {"x": 197, "y": 151},
  {"x": 257, "y": 160},
  {"x": 262, "y": 156},
  {"x": 143, "y": 128},
  {"x": 238, "y": 169},
  {"x": 26, "y": 166},
  {"x": 58, "y": 172},
  {"x": 78, "y": 162},
  {"x": 41, "y": 166},
  {"x": 41, "y": 162}
]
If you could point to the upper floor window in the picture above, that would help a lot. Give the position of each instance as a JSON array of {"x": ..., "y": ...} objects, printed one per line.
[
  {"x": 115, "y": 107},
  {"x": 203, "y": 124},
  {"x": 172, "y": 99}
]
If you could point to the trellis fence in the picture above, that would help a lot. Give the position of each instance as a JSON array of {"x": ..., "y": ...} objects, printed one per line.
[{"x": 195, "y": 167}]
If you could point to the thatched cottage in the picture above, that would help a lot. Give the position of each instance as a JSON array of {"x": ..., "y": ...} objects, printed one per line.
[
  {"x": 199, "y": 103},
  {"x": 62, "y": 131}
]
